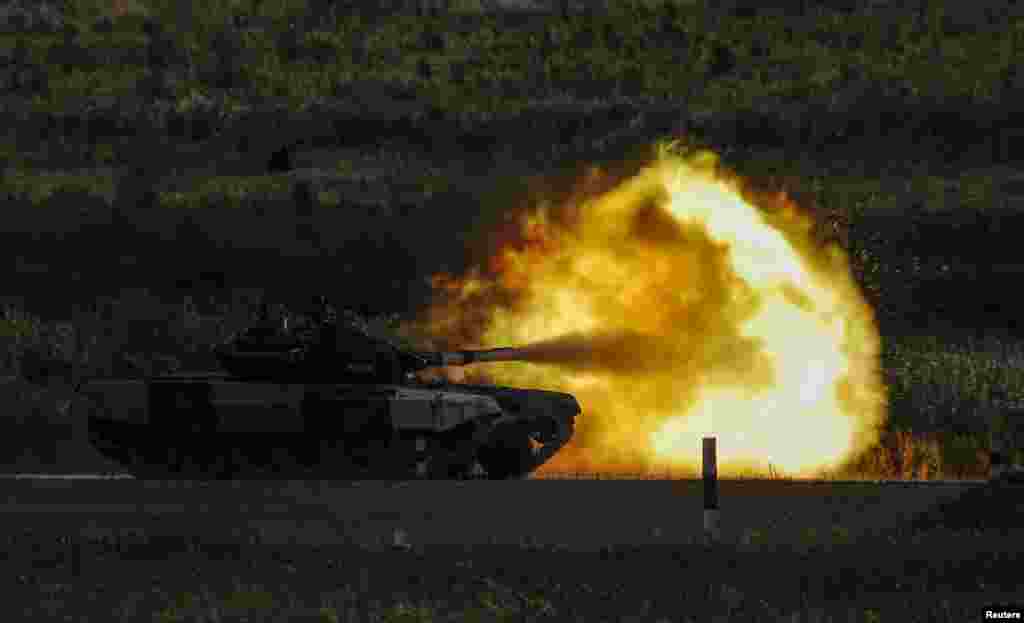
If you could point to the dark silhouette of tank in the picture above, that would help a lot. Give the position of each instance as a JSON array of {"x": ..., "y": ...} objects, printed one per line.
[{"x": 325, "y": 400}]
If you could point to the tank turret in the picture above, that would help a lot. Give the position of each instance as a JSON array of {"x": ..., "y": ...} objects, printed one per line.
[{"x": 335, "y": 351}]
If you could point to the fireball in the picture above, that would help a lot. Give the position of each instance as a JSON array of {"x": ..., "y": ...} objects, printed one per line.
[{"x": 678, "y": 304}]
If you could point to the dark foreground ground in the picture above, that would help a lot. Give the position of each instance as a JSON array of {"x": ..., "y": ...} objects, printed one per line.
[{"x": 141, "y": 558}]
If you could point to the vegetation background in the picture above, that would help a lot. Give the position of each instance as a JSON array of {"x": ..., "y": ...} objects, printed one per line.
[{"x": 167, "y": 165}]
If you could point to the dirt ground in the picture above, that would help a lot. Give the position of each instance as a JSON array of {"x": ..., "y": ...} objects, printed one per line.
[
  {"x": 124, "y": 550},
  {"x": 583, "y": 515}
]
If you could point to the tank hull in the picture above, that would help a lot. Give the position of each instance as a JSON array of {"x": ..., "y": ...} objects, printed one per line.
[{"x": 215, "y": 426}]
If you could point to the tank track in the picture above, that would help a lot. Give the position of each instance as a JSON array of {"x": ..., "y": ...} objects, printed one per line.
[{"x": 202, "y": 456}]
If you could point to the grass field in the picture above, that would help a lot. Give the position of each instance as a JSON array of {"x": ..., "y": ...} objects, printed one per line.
[{"x": 906, "y": 219}]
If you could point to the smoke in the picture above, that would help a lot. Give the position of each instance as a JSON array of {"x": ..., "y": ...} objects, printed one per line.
[
  {"x": 673, "y": 303},
  {"x": 626, "y": 353},
  {"x": 619, "y": 352}
]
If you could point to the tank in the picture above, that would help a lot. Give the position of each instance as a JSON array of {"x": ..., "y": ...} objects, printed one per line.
[{"x": 325, "y": 400}]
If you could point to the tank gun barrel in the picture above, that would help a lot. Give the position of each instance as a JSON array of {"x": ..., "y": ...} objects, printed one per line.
[
  {"x": 466, "y": 357},
  {"x": 492, "y": 354}
]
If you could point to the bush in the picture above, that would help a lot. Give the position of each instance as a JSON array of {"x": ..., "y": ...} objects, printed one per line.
[
  {"x": 21, "y": 16},
  {"x": 960, "y": 455}
]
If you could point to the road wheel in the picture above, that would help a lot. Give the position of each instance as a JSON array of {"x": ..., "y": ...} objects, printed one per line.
[
  {"x": 440, "y": 463},
  {"x": 220, "y": 467},
  {"x": 508, "y": 453},
  {"x": 460, "y": 448},
  {"x": 147, "y": 466},
  {"x": 156, "y": 462},
  {"x": 307, "y": 453},
  {"x": 334, "y": 462}
]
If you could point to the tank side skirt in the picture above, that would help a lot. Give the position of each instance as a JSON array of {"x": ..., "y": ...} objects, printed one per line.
[{"x": 406, "y": 431}]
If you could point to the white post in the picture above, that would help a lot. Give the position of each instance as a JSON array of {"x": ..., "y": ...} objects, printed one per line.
[
  {"x": 711, "y": 525},
  {"x": 400, "y": 539}
]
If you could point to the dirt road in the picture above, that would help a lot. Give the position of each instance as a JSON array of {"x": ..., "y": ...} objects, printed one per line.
[{"x": 577, "y": 514}]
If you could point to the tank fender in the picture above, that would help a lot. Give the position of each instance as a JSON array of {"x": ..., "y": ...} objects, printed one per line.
[
  {"x": 551, "y": 432},
  {"x": 437, "y": 411},
  {"x": 547, "y": 428},
  {"x": 553, "y": 429}
]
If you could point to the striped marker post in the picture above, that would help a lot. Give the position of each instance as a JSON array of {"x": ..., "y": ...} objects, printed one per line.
[{"x": 711, "y": 526}]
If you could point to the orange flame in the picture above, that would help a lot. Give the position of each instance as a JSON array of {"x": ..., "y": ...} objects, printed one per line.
[{"x": 674, "y": 305}]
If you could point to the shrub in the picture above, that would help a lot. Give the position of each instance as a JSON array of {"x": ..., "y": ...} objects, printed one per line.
[{"x": 960, "y": 455}]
